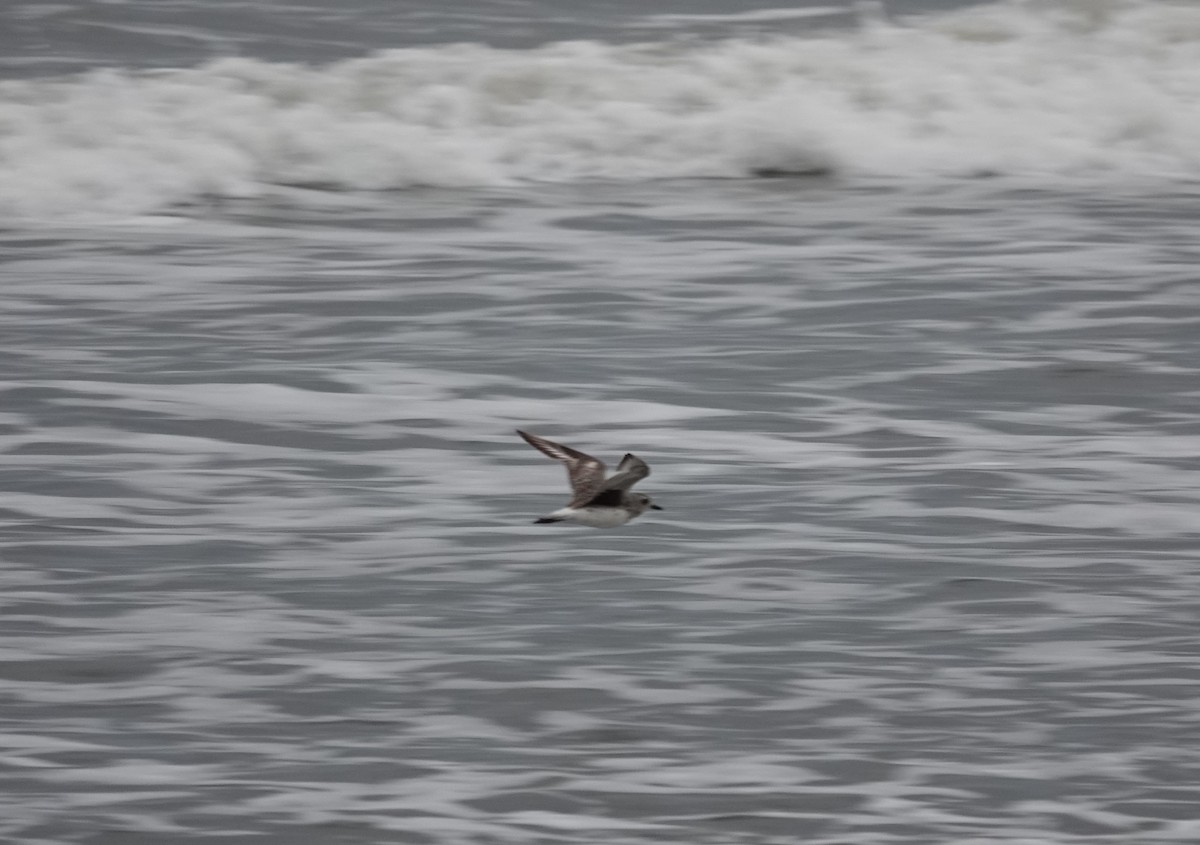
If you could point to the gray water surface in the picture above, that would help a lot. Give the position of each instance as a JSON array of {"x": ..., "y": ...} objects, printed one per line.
[
  {"x": 39, "y": 38},
  {"x": 927, "y": 573}
]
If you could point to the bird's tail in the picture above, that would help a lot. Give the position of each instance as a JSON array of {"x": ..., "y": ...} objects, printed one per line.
[{"x": 546, "y": 519}]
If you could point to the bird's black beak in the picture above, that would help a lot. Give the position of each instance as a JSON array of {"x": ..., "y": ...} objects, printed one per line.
[{"x": 655, "y": 508}]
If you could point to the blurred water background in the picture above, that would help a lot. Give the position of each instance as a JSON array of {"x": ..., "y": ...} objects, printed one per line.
[{"x": 900, "y": 303}]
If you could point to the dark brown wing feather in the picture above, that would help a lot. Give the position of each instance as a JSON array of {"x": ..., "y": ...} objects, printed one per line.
[
  {"x": 608, "y": 499},
  {"x": 585, "y": 473}
]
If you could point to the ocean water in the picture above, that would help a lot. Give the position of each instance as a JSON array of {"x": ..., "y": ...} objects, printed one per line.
[{"x": 900, "y": 304}]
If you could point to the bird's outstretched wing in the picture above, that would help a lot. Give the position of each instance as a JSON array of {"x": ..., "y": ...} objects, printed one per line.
[
  {"x": 585, "y": 473},
  {"x": 630, "y": 471}
]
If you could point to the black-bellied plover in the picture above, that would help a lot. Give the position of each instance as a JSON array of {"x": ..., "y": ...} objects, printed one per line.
[{"x": 596, "y": 502}]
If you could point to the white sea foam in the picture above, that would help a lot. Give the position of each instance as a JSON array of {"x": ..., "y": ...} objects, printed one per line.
[{"x": 1033, "y": 89}]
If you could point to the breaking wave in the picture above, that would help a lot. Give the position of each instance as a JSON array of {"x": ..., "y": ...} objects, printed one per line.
[{"x": 1090, "y": 90}]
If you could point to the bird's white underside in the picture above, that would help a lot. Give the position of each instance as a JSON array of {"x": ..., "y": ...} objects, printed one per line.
[{"x": 594, "y": 517}]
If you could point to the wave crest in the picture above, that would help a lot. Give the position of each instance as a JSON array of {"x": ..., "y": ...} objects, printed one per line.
[{"x": 1094, "y": 89}]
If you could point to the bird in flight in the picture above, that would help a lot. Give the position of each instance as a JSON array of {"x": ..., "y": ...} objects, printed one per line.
[{"x": 596, "y": 502}]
